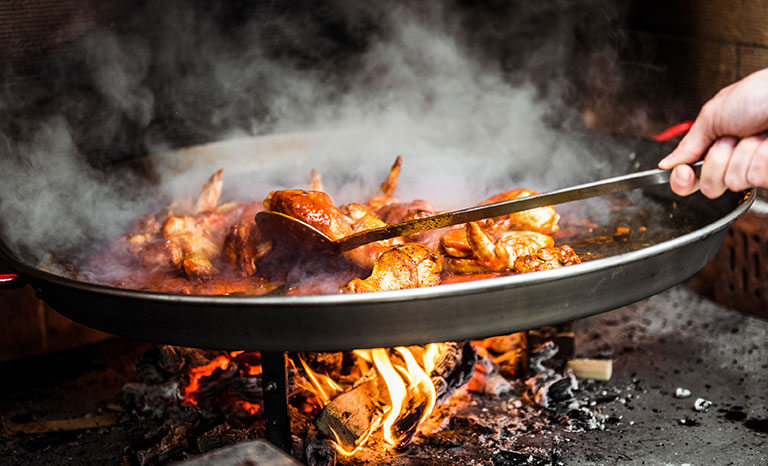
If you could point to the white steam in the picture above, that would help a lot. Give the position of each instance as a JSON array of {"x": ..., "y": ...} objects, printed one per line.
[{"x": 417, "y": 89}]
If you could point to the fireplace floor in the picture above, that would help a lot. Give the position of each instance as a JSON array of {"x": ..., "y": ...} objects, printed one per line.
[{"x": 677, "y": 339}]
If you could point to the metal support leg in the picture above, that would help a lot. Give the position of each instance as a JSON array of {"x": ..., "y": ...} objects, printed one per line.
[{"x": 275, "y": 385}]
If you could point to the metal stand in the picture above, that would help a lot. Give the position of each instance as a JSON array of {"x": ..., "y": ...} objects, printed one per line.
[{"x": 274, "y": 382}]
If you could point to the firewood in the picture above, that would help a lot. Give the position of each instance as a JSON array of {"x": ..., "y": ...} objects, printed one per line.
[
  {"x": 539, "y": 355},
  {"x": 59, "y": 425},
  {"x": 488, "y": 379},
  {"x": 549, "y": 389},
  {"x": 164, "y": 444},
  {"x": 349, "y": 416},
  {"x": 493, "y": 384},
  {"x": 454, "y": 369},
  {"x": 598, "y": 369},
  {"x": 505, "y": 343}
]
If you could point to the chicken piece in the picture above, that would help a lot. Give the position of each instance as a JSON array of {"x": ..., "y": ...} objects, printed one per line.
[
  {"x": 408, "y": 266},
  {"x": 487, "y": 256},
  {"x": 387, "y": 187},
  {"x": 191, "y": 236},
  {"x": 363, "y": 219},
  {"x": 160, "y": 254},
  {"x": 210, "y": 194},
  {"x": 546, "y": 258},
  {"x": 455, "y": 243},
  {"x": 140, "y": 234},
  {"x": 521, "y": 243},
  {"x": 541, "y": 219},
  {"x": 312, "y": 207},
  {"x": 198, "y": 266},
  {"x": 243, "y": 247}
]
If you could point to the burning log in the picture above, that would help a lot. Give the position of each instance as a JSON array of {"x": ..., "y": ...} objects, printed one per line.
[
  {"x": 163, "y": 362},
  {"x": 541, "y": 354},
  {"x": 349, "y": 417},
  {"x": 549, "y": 388},
  {"x": 488, "y": 379},
  {"x": 455, "y": 367}
]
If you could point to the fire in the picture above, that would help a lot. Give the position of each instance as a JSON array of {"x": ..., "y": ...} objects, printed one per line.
[
  {"x": 197, "y": 373},
  {"x": 404, "y": 376},
  {"x": 405, "y": 393},
  {"x": 248, "y": 366}
]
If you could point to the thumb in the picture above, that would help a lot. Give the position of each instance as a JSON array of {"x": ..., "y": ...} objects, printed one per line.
[{"x": 693, "y": 146}]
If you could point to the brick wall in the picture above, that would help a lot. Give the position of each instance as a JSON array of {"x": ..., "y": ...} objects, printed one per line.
[{"x": 703, "y": 45}]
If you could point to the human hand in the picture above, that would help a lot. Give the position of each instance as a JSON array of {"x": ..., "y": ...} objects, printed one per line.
[{"x": 729, "y": 130}]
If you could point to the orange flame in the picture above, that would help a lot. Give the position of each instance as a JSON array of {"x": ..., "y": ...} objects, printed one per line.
[
  {"x": 412, "y": 396},
  {"x": 197, "y": 373}
]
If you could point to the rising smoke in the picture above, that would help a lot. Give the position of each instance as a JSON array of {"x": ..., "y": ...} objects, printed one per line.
[{"x": 476, "y": 97}]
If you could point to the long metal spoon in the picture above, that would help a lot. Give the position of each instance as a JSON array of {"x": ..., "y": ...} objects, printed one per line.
[{"x": 308, "y": 237}]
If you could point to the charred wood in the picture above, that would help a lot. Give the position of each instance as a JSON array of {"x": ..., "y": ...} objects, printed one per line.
[
  {"x": 550, "y": 389},
  {"x": 540, "y": 357},
  {"x": 488, "y": 379},
  {"x": 454, "y": 369},
  {"x": 163, "y": 444},
  {"x": 220, "y": 436},
  {"x": 348, "y": 418},
  {"x": 163, "y": 362}
]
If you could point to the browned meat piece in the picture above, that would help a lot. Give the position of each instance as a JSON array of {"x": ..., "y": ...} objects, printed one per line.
[
  {"x": 520, "y": 243},
  {"x": 487, "y": 256},
  {"x": 312, "y": 207},
  {"x": 242, "y": 247},
  {"x": 191, "y": 236},
  {"x": 408, "y": 266},
  {"x": 542, "y": 219},
  {"x": 547, "y": 258},
  {"x": 198, "y": 266},
  {"x": 387, "y": 188},
  {"x": 210, "y": 194},
  {"x": 455, "y": 243},
  {"x": 160, "y": 254},
  {"x": 363, "y": 219}
]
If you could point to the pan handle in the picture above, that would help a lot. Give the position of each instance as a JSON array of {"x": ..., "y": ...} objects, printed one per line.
[{"x": 12, "y": 281}]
